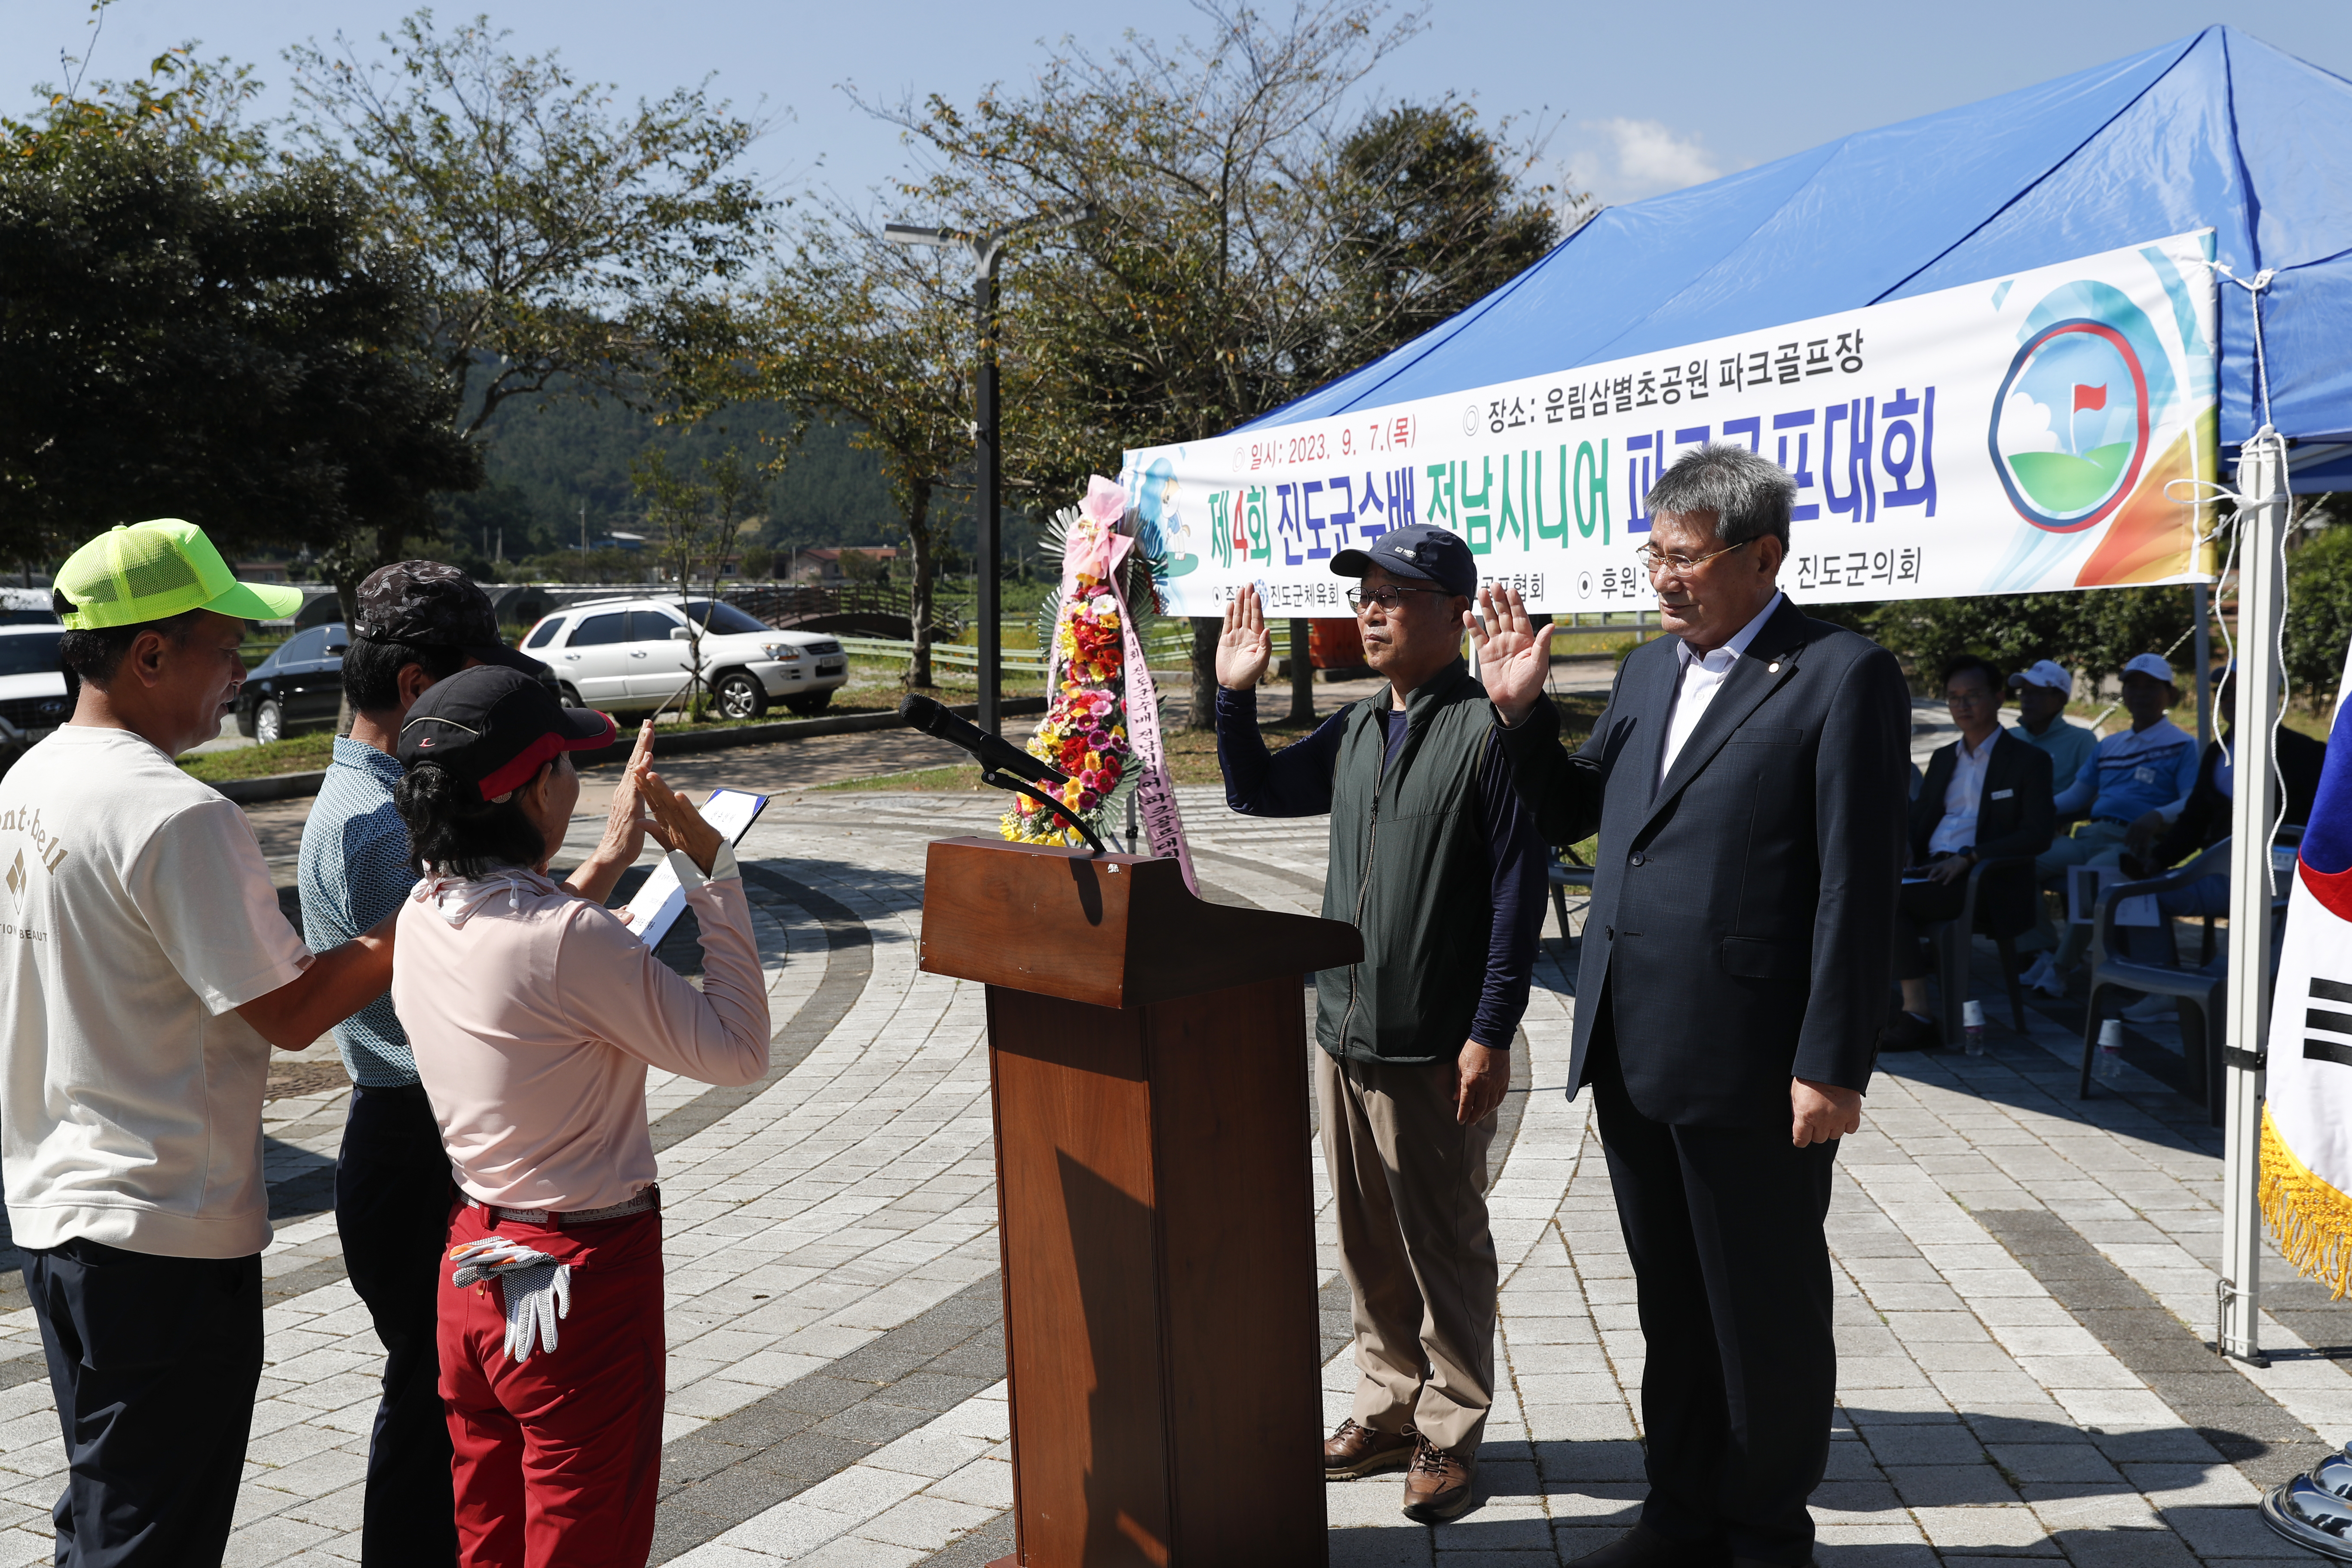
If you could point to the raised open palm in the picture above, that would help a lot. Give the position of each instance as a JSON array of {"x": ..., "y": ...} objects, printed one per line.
[
  {"x": 1243, "y": 649},
  {"x": 1514, "y": 654}
]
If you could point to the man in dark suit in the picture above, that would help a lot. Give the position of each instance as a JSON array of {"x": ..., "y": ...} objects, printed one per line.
[
  {"x": 1748, "y": 782},
  {"x": 1987, "y": 796}
]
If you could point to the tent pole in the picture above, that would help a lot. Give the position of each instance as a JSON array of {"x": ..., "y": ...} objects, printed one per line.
[
  {"x": 2262, "y": 480},
  {"x": 2201, "y": 604}
]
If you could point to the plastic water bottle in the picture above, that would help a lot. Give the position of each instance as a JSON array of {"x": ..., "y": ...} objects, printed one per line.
[
  {"x": 2109, "y": 1068},
  {"x": 1972, "y": 1025}
]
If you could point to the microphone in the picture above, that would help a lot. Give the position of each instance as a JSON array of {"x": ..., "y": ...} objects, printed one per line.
[{"x": 993, "y": 752}]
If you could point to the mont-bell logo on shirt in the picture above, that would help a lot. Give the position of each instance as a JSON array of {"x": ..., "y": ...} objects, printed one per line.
[{"x": 47, "y": 851}]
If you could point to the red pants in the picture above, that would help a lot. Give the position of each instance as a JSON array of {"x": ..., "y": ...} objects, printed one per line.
[{"x": 558, "y": 1458}]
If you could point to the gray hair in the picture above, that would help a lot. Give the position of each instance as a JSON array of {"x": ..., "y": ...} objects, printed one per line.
[{"x": 1750, "y": 494}]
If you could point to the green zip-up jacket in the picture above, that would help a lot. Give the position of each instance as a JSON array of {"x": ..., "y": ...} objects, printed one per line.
[{"x": 1447, "y": 920}]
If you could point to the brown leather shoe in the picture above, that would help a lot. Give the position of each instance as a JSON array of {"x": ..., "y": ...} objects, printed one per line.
[
  {"x": 1353, "y": 1451},
  {"x": 1437, "y": 1484}
]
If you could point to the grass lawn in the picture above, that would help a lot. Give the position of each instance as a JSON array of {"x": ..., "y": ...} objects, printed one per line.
[
  {"x": 305, "y": 754},
  {"x": 1192, "y": 753},
  {"x": 875, "y": 689},
  {"x": 1191, "y": 760}
]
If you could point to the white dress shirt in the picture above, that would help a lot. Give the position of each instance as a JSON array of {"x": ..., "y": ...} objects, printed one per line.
[
  {"x": 1702, "y": 675},
  {"x": 1958, "y": 830}
]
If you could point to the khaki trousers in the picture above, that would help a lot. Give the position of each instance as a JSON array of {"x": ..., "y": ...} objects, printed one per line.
[{"x": 1409, "y": 1187}]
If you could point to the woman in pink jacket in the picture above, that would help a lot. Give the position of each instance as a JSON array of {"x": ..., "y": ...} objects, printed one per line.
[{"x": 534, "y": 1015}]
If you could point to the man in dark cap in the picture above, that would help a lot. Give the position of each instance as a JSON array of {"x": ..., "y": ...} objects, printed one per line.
[
  {"x": 419, "y": 623},
  {"x": 1436, "y": 862}
]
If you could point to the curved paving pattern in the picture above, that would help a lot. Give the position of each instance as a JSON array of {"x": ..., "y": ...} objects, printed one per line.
[
  {"x": 848, "y": 964},
  {"x": 2020, "y": 1282}
]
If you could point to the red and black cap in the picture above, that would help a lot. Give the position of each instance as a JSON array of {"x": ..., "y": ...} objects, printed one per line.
[{"x": 495, "y": 728}]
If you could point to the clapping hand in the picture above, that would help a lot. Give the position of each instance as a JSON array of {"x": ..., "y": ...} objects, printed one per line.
[
  {"x": 1514, "y": 654},
  {"x": 1243, "y": 649},
  {"x": 624, "y": 820},
  {"x": 625, "y": 831},
  {"x": 676, "y": 825}
]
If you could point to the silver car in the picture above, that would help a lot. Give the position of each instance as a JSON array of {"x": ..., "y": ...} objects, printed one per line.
[{"x": 620, "y": 654}]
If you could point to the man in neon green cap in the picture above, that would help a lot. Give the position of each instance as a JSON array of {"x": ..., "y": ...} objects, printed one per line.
[{"x": 145, "y": 972}]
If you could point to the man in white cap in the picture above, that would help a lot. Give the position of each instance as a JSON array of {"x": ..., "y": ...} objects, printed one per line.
[
  {"x": 2152, "y": 766},
  {"x": 2043, "y": 689}
]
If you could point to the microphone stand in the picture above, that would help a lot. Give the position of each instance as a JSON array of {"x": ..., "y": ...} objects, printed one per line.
[{"x": 989, "y": 775}]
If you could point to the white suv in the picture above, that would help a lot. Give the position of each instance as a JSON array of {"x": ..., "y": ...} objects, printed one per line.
[
  {"x": 619, "y": 654},
  {"x": 33, "y": 692}
]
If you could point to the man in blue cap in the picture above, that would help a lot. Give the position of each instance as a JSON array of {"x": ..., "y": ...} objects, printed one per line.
[{"x": 1434, "y": 859}]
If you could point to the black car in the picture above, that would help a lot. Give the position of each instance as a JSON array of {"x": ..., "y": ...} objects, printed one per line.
[{"x": 300, "y": 686}]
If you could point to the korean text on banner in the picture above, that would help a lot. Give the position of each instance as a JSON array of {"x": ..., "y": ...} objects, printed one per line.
[
  {"x": 2014, "y": 436},
  {"x": 2306, "y": 1148}
]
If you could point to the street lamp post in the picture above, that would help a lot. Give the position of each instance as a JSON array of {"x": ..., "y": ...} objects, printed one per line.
[{"x": 987, "y": 249}]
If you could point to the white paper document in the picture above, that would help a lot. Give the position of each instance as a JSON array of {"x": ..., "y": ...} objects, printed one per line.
[{"x": 659, "y": 902}]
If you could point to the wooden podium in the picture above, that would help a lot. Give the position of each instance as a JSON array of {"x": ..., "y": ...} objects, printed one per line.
[{"x": 1148, "y": 1056}]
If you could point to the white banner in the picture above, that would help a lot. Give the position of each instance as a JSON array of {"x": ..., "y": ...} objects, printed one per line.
[{"x": 2008, "y": 437}]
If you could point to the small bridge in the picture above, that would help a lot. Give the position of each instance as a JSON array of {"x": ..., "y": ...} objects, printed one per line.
[{"x": 849, "y": 609}]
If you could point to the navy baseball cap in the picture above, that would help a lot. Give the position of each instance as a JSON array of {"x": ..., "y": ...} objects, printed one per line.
[
  {"x": 435, "y": 606},
  {"x": 1420, "y": 551}
]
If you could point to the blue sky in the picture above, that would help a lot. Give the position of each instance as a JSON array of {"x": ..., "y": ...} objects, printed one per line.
[{"x": 1638, "y": 99}]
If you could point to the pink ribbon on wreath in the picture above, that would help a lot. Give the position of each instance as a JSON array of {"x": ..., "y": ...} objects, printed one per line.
[{"x": 1096, "y": 545}]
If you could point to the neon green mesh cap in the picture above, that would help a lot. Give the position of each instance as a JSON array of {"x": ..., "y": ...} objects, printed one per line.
[{"x": 142, "y": 571}]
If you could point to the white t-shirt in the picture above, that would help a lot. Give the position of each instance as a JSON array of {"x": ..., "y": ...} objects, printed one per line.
[{"x": 136, "y": 914}]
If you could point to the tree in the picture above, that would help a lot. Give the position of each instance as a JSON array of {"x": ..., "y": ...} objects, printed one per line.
[
  {"x": 195, "y": 329},
  {"x": 1194, "y": 295},
  {"x": 855, "y": 329},
  {"x": 1241, "y": 243},
  {"x": 2093, "y": 632},
  {"x": 698, "y": 521},
  {"x": 1426, "y": 219},
  {"x": 569, "y": 244},
  {"x": 2318, "y": 612}
]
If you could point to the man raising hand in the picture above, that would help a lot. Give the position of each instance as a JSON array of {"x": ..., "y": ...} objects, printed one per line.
[
  {"x": 1746, "y": 781},
  {"x": 1435, "y": 860}
]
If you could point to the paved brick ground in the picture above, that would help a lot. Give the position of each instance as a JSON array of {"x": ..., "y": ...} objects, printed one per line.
[{"x": 2023, "y": 1286}]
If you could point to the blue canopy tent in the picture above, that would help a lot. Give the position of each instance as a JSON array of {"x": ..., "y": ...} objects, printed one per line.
[{"x": 2216, "y": 130}]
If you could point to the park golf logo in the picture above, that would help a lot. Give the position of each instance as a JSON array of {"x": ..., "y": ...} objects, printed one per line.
[{"x": 2071, "y": 424}]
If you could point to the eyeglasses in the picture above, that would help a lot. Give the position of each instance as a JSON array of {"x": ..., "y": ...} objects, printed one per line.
[
  {"x": 1970, "y": 699},
  {"x": 1387, "y": 598},
  {"x": 1681, "y": 565}
]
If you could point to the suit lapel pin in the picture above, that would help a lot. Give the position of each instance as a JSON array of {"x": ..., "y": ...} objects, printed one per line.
[{"x": 1773, "y": 668}]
